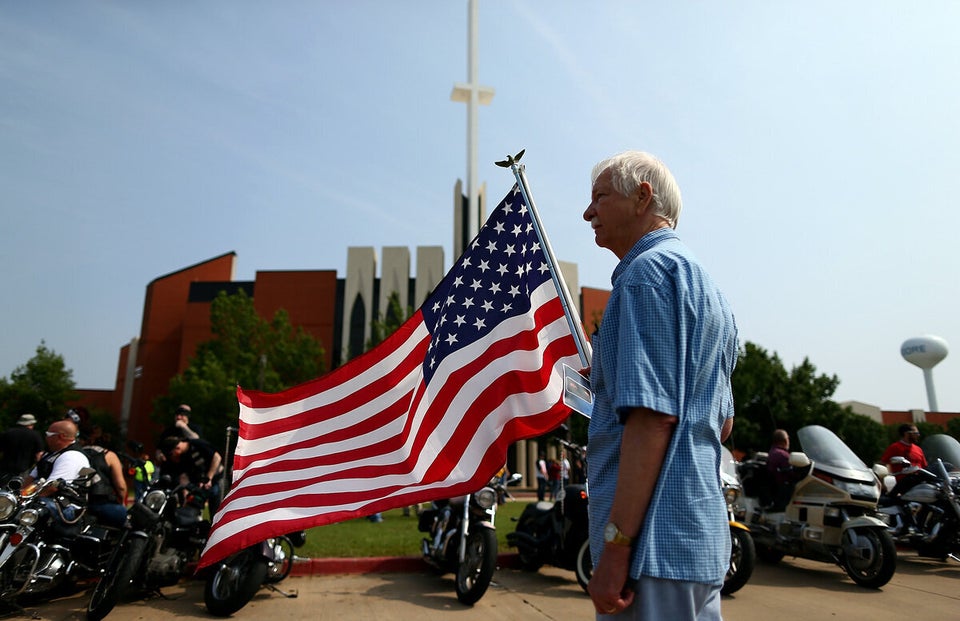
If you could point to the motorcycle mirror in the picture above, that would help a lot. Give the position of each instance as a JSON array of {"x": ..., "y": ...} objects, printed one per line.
[
  {"x": 880, "y": 470},
  {"x": 900, "y": 460},
  {"x": 799, "y": 460}
]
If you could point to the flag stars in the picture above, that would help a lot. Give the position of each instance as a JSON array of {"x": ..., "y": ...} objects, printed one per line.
[
  {"x": 502, "y": 270},
  {"x": 451, "y": 338},
  {"x": 467, "y": 302},
  {"x": 498, "y": 227},
  {"x": 475, "y": 284},
  {"x": 492, "y": 246},
  {"x": 484, "y": 266},
  {"x": 495, "y": 288},
  {"x": 450, "y": 300},
  {"x": 487, "y": 305},
  {"x": 480, "y": 324},
  {"x": 514, "y": 291},
  {"x": 510, "y": 250},
  {"x": 543, "y": 268},
  {"x": 459, "y": 320},
  {"x": 458, "y": 281},
  {"x": 517, "y": 229},
  {"x": 506, "y": 308}
]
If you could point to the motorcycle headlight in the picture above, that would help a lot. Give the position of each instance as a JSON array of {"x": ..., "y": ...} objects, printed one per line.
[
  {"x": 731, "y": 494},
  {"x": 486, "y": 498},
  {"x": 155, "y": 499},
  {"x": 8, "y": 504},
  {"x": 29, "y": 517}
]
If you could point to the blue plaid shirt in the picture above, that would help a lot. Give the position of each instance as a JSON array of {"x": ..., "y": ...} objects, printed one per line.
[{"x": 667, "y": 342}]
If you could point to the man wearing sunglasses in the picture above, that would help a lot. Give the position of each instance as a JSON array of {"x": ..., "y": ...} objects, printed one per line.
[{"x": 63, "y": 459}]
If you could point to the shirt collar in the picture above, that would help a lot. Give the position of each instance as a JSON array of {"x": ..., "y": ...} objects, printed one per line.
[{"x": 645, "y": 243}]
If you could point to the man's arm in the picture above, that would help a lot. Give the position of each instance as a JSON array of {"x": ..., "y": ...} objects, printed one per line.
[
  {"x": 215, "y": 460},
  {"x": 116, "y": 476},
  {"x": 727, "y": 429},
  {"x": 643, "y": 448}
]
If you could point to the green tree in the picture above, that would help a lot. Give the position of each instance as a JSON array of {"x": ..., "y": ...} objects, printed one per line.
[
  {"x": 382, "y": 327},
  {"x": 245, "y": 350},
  {"x": 767, "y": 397},
  {"x": 43, "y": 387}
]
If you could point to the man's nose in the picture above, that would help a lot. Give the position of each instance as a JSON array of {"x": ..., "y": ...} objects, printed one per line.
[{"x": 589, "y": 212}]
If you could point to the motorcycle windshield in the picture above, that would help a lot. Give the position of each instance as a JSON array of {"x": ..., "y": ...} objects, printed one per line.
[
  {"x": 942, "y": 446},
  {"x": 825, "y": 449}
]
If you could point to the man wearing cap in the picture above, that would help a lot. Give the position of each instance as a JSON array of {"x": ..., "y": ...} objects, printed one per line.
[
  {"x": 20, "y": 448},
  {"x": 182, "y": 427}
]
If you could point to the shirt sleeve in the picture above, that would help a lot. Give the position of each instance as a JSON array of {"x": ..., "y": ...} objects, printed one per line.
[{"x": 647, "y": 355}]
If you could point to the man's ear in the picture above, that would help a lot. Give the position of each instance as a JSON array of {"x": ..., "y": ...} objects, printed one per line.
[{"x": 644, "y": 194}]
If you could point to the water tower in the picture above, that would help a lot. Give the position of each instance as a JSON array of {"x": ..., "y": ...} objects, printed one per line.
[{"x": 925, "y": 352}]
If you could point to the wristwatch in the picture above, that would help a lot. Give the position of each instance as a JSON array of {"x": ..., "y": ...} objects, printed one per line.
[{"x": 612, "y": 534}]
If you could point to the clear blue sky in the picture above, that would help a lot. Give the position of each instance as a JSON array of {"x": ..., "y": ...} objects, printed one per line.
[{"x": 816, "y": 145}]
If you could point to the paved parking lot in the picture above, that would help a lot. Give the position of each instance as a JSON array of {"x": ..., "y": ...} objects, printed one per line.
[{"x": 795, "y": 590}]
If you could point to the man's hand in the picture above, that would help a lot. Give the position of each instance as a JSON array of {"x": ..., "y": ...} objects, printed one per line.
[{"x": 607, "y": 586}]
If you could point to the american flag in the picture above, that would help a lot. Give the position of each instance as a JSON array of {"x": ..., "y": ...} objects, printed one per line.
[{"x": 427, "y": 414}]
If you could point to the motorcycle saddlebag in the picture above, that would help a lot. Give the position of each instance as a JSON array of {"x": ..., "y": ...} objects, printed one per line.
[{"x": 427, "y": 518}]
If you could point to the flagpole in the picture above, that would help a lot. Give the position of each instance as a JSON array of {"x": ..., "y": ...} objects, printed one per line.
[{"x": 569, "y": 309}]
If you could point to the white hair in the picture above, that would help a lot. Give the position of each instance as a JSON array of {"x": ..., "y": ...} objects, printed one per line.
[{"x": 631, "y": 168}]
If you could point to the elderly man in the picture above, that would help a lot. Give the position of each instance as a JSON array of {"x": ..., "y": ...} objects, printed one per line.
[
  {"x": 661, "y": 369},
  {"x": 64, "y": 459}
]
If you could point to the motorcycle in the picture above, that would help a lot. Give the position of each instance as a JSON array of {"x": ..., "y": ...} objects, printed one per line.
[
  {"x": 831, "y": 512},
  {"x": 164, "y": 533},
  {"x": 556, "y": 533},
  {"x": 743, "y": 555},
  {"x": 462, "y": 538},
  {"x": 236, "y": 579},
  {"x": 926, "y": 516},
  {"x": 40, "y": 551}
]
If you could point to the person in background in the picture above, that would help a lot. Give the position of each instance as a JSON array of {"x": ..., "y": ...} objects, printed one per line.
[
  {"x": 107, "y": 496},
  {"x": 181, "y": 427},
  {"x": 542, "y": 476},
  {"x": 906, "y": 447},
  {"x": 661, "y": 368},
  {"x": 20, "y": 448},
  {"x": 778, "y": 465},
  {"x": 778, "y": 457},
  {"x": 196, "y": 462}
]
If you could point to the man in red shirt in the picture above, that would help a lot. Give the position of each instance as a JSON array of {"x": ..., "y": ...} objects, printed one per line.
[{"x": 907, "y": 447}]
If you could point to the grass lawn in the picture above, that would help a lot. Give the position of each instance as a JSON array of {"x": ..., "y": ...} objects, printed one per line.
[{"x": 396, "y": 535}]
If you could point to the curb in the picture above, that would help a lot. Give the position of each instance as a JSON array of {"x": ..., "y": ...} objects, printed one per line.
[{"x": 377, "y": 564}]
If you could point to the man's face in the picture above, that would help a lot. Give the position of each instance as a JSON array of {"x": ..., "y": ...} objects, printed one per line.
[
  {"x": 55, "y": 439},
  {"x": 179, "y": 449},
  {"x": 913, "y": 435},
  {"x": 613, "y": 216}
]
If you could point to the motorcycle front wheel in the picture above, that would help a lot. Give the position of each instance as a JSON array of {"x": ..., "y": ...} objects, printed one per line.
[
  {"x": 234, "y": 582},
  {"x": 584, "y": 568},
  {"x": 743, "y": 556},
  {"x": 282, "y": 563},
  {"x": 479, "y": 563},
  {"x": 116, "y": 579},
  {"x": 869, "y": 556}
]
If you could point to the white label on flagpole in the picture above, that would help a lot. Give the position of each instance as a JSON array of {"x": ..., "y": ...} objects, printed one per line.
[{"x": 576, "y": 392}]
